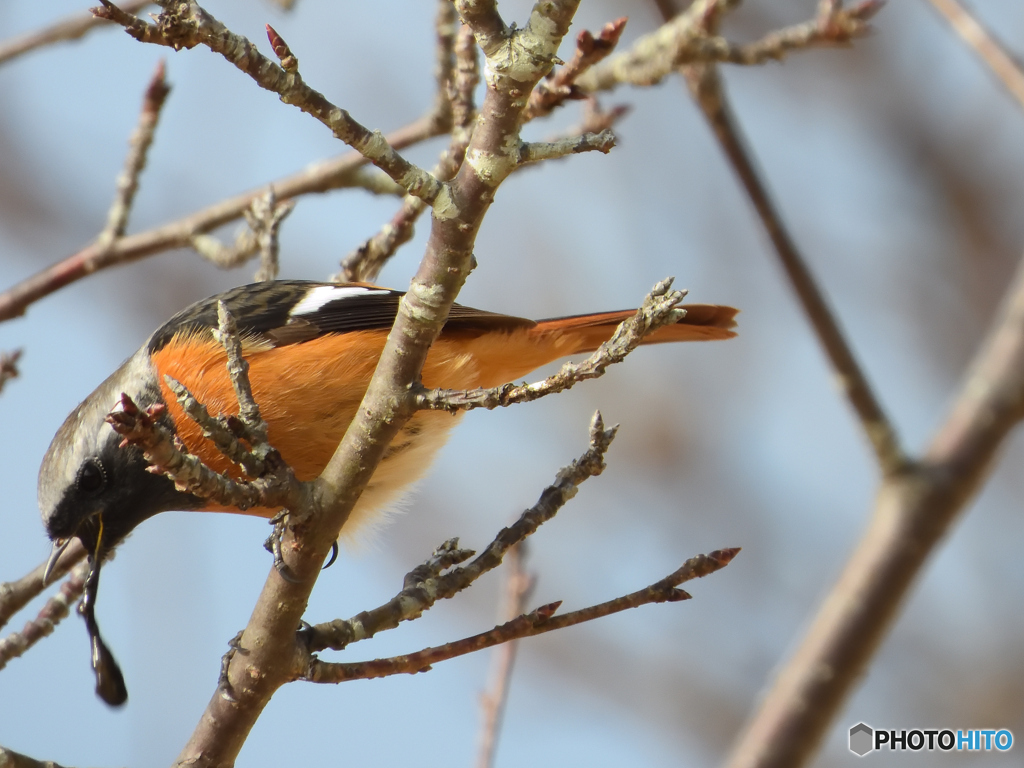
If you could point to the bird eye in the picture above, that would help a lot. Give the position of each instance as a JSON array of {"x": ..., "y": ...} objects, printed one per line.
[{"x": 91, "y": 477}]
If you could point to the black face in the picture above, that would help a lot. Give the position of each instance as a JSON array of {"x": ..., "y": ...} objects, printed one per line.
[{"x": 111, "y": 494}]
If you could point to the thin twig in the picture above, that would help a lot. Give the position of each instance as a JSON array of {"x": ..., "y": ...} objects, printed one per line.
[
  {"x": 187, "y": 24},
  {"x": 15, "y": 595},
  {"x": 428, "y": 587},
  {"x": 519, "y": 585},
  {"x": 52, "y": 613},
  {"x": 988, "y": 48},
  {"x": 135, "y": 161},
  {"x": 365, "y": 262},
  {"x": 143, "y": 429},
  {"x": 265, "y": 217},
  {"x": 682, "y": 41},
  {"x": 69, "y": 28},
  {"x": 220, "y": 430},
  {"x": 534, "y": 152},
  {"x": 238, "y": 371},
  {"x": 9, "y": 366},
  {"x": 660, "y": 308},
  {"x": 337, "y": 173},
  {"x": 536, "y": 622},
  {"x": 561, "y": 83}
]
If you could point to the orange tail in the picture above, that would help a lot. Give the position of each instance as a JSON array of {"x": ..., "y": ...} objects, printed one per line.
[{"x": 703, "y": 322}]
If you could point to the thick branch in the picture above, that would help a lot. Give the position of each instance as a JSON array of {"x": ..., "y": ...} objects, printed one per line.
[
  {"x": 459, "y": 209},
  {"x": 709, "y": 93},
  {"x": 913, "y": 511}
]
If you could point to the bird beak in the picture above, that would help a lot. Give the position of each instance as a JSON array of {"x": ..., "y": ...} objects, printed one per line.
[{"x": 58, "y": 549}]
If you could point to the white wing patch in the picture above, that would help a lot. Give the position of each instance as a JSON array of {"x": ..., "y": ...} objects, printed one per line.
[{"x": 322, "y": 295}]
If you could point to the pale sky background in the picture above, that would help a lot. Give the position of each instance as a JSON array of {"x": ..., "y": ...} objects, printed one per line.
[{"x": 899, "y": 164}]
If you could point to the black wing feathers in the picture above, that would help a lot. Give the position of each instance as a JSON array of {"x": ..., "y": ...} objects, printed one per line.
[{"x": 265, "y": 310}]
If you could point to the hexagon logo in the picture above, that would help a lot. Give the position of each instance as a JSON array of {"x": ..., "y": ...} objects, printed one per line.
[{"x": 862, "y": 739}]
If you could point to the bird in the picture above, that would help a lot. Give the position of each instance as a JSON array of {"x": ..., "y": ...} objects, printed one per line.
[{"x": 312, "y": 348}]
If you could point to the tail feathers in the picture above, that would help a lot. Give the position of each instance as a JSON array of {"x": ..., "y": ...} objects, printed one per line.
[{"x": 703, "y": 322}]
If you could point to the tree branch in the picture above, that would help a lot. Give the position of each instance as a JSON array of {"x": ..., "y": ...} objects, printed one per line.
[
  {"x": 336, "y": 173},
  {"x": 15, "y": 595},
  {"x": 135, "y": 161},
  {"x": 518, "y": 587},
  {"x": 427, "y": 585},
  {"x": 709, "y": 93},
  {"x": 660, "y": 308},
  {"x": 536, "y": 622},
  {"x": 515, "y": 65},
  {"x": 187, "y": 24},
  {"x": 53, "y": 612},
  {"x": 985, "y": 45},
  {"x": 9, "y": 366},
  {"x": 913, "y": 511},
  {"x": 682, "y": 41},
  {"x": 69, "y": 28}
]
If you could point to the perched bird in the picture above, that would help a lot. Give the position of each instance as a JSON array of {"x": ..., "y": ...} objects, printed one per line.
[{"x": 312, "y": 348}]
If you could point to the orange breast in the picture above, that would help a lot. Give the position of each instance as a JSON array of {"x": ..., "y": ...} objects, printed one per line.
[{"x": 309, "y": 392}]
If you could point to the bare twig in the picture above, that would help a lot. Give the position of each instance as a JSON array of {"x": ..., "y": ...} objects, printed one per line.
[
  {"x": 561, "y": 83},
  {"x": 53, "y": 612},
  {"x": 518, "y": 587},
  {"x": 275, "y": 486},
  {"x": 425, "y": 587},
  {"x": 447, "y": 29},
  {"x": 220, "y": 430},
  {"x": 142, "y": 428},
  {"x": 186, "y": 25},
  {"x": 238, "y": 370},
  {"x": 135, "y": 162},
  {"x": 534, "y": 152},
  {"x": 338, "y": 173},
  {"x": 15, "y": 595},
  {"x": 660, "y": 308},
  {"x": 913, "y": 511},
  {"x": 682, "y": 41},
  {"x": 9, "y": 366},
  {"x": 366, "y": 261},
  {"x": 985, "y": 45},
  {"x": 68, "y": 28},
  {"x": 227, "y": 256},
  {"x": 535, "y": 623},
  {"x": 265, "y": 216}
]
